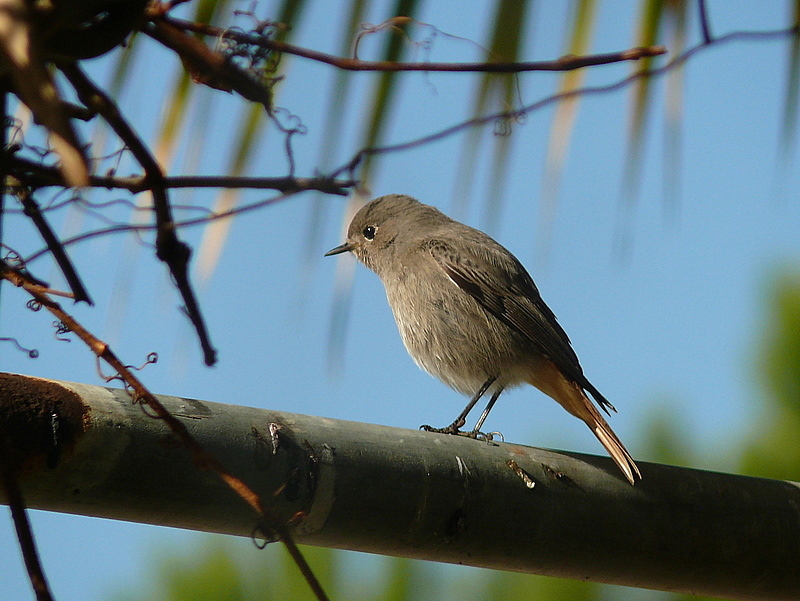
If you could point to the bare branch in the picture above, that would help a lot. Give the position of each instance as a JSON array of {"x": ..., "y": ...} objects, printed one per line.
[
  {"x": 169, "y": 248},
  {"x": 514, "y": 114},
  {"x": 141, "y": 394},
  {"x": 23, "y": 60},
  {"x": 565, "y": 63},
  {"x": 129, "y": 228},
  {"x": 705, "y": 26},
  {"x": 47, "y": 176},
  {"x": 207, "y": 66},
  {"x": 31, "y": 210},
  {"x": 8, "y": 480}
]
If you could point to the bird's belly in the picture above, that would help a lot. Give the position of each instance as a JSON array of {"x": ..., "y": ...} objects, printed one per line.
[{"x": 455, "y": 340}]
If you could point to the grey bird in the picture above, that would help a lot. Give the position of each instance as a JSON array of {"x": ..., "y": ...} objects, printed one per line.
[{"x": 470, "y": 314}]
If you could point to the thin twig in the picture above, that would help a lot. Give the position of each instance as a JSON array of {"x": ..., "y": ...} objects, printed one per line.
[
  {"x": 565, "y": 63},
  {"x": 208, "y": 66},
  {"x": 218, "y": 70},
  {"x": 5, "y": 126},
  {"x": 31, "y": 210},
  {"x": 173, "y": 3},
  {"x": 128, "y": 228},
  {"x": 169, "y": 248},
  {"x": 141, "y": 394},
  {"x": 353, "y": 164},
  {"x": 8, "y": 476},
  {"x": 705, "y": 26},
  {"x": 47, "y": 175},
  {"x": 27, "y": 544}
]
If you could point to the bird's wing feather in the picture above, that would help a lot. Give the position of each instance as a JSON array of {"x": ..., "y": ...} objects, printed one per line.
[{"x": 502, "y": 286}]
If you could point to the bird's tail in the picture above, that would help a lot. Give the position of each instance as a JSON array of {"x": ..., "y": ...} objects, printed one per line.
[
  {"x": 614, "y": 446},
  {"x": 572, "y": 397},
  {"x": 585, "y": 409}
]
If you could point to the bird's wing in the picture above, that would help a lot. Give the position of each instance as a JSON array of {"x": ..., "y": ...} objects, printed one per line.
[{"x": 502, "y": 286}]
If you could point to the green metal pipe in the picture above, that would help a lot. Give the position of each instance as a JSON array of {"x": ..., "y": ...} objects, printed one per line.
[{"x": 89, "y": 450}]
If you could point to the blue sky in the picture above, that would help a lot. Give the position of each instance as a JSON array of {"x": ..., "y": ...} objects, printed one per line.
[{"x": 672, "y": 327}]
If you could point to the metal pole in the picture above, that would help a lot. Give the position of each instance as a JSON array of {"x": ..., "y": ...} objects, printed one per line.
[{"x": 89, "y": 450}]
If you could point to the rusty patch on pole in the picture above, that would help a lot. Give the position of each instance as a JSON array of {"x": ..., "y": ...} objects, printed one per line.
[{"x": 41, "y": 420}]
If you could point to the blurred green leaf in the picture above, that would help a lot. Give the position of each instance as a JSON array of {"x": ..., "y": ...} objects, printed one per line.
[
  {"x": 676, "y": 24},
  {"x": 773, "y": 451},
  {"x": 780, "y": 356},
  {"x": 561, "y": 128},
  {"x": 650, "y": 20},
  {"x": 666, "y": 439},
  {"x": 788, "y": 140},
  {"x": 652, "y": 13},
  {"x": 213, "y": 576},
  {"x": 508, "y": 586},
  {"x": 384, "y": 88},
  {"x": 501, "y": 89},
  {"x": 404, "y": 582},
  {"x": 281, "y": 579},
  {"x": 206, "y": 11},
  {"x": 255, "y": 117},
  {"x": 334, "y": 123}
]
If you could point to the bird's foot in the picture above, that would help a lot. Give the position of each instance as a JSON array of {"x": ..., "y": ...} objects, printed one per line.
[
  {"x": 485, "y": 436},
  {"x": 451, "y": 429},
  {"x": 454, "y": 429}
]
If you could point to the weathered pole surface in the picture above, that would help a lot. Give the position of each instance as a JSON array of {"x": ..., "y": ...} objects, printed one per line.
[{"x": 89, "y": 450}]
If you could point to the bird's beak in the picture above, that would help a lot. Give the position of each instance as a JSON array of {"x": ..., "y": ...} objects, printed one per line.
[{"x": 342, "y": 248}]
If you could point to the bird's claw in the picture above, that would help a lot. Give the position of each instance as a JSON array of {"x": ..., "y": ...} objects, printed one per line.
[
  {"x": 451, "y": 429},
  {"x": 454, "y": 429},
  {"x": 484, "y": 436}
]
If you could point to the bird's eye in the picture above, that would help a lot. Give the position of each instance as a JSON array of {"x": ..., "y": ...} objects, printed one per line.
[{"x": 369, "y": 232}]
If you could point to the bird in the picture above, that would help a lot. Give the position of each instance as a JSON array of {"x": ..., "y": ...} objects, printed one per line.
[{"x": 470, "y": 314}]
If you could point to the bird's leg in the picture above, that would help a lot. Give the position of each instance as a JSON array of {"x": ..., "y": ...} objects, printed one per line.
[
  {"x": 477, "y": 431},
  {"x": 462, "y": 418}
]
